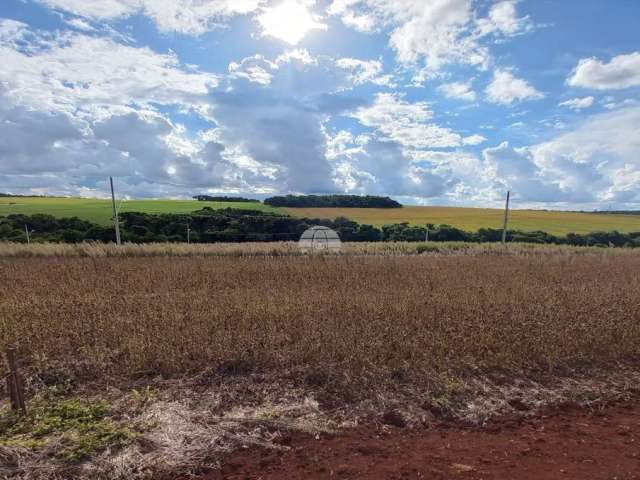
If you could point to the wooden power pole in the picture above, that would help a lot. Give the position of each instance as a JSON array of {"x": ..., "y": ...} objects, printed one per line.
[
  {"x": 506, "y": 219},
  {"x": 116, "y": 222}
]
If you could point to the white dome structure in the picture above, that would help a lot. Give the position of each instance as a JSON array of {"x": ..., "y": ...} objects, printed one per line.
[{"x": 320, "y": 238}]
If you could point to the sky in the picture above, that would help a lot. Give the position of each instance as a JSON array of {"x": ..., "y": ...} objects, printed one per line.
[{"x": 435, "y": 102}]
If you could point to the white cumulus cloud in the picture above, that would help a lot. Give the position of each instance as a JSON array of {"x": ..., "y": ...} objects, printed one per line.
[
  {"x": 255, "y": 69},
  {"x": 505, "y": 89},
  {"x": 366, "y": 71},
  {"x": 503, "y": 18},
  {"x": 74, "y": 70},
  {"x": 459, "y": 90},
  {"x": 596, "y": 162},
  {"x": 578, "y": 103},
  {"x": 193, "y": 17},
  {"x": 589, "y": 161},
  {"x": 474, "y": 139},
  {"x": 620, "y": 72},
  {"x": 408, "y": 124},
  {"x": 439, "y": 32}
]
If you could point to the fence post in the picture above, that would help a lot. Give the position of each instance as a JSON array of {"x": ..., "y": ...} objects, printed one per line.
[{"x": 14, "y": 382}]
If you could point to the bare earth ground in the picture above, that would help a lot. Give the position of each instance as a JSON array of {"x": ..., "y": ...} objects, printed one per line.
[{"x": 566, "y": 442}]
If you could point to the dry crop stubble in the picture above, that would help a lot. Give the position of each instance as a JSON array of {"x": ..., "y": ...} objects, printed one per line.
[
  {"x": 355, "y": 316},
  {"x": 276, "y": 249}
]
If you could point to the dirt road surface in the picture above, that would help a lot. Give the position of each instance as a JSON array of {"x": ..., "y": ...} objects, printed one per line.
[{"x": 567, "y": 443}]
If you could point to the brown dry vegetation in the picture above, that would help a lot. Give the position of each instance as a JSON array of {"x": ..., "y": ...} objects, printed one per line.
[
  {"x": 363, "y": 317},
  {"x": 96, "y": 250},
  {"x": 193, "y": 250},
  {"x": 254, "y": 340}
]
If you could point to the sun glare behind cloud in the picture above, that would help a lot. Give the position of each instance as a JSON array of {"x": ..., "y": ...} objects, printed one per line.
[{"x": 289, "y": 21}]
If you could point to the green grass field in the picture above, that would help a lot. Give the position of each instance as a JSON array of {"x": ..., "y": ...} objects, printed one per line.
[
  {"x": 99, "y": 211},
  {"x": 471, "y": 219}
]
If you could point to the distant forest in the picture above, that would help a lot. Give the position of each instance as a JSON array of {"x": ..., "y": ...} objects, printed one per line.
[
  {"x": 328, "y": 201},
  {"x": 620, "y": 212},
  {"x": 7, "y": 195},
  {"x": 234, "y": 225},
  {"x": 209, "y": 198}
]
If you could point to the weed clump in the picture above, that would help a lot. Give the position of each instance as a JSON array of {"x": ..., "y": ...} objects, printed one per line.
[{"x": 70, "y": 430}]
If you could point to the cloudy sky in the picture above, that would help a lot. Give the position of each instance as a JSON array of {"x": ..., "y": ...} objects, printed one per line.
[{"x": 447, "y": 102}]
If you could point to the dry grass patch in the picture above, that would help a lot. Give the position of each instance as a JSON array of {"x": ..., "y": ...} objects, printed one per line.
[{"x": 278, "y": 249}]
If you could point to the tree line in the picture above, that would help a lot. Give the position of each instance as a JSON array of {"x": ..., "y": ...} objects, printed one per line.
[
  {"x": 209, "y": 198},
  {"x": 332, "y": 201},
  {"x": 619, "y": 212},
  {"x": 9, "y": 195},
  {"x": 234, "y": 225}
]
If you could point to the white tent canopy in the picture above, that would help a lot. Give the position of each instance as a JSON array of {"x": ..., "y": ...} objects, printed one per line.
[{"x": 320, "y": 238}]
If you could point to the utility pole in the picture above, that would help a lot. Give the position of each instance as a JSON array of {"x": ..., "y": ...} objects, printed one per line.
[
  {"x": 426, "y": 237},
  {"x": 188, "y": 233},
  {"x": 506, "y": 219},
  {"x": 116, "y": 222},
  {"x": 26, "y": 230}
]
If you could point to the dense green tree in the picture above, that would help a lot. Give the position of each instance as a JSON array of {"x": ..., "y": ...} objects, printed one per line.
[
  {"x": 328, "y": 201},
  {"x": 209, "y": 198}
]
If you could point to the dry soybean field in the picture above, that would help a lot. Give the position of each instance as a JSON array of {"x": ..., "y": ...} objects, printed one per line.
[
  {"x": 329, "y": 334},
  {"x": 366, "y": 314}
]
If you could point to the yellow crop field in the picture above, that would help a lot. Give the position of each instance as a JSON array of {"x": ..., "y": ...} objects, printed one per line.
[{"x": 471, "y": 219}]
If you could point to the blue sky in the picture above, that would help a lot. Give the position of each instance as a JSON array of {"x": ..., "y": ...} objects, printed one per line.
[{"x": 446, "y": 102}]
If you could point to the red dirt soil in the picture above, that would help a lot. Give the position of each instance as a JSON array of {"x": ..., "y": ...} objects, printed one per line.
[{"x": 568, "y": 443}]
